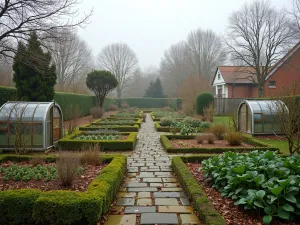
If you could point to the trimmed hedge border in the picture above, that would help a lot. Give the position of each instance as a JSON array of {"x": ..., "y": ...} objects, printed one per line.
[
  {"x": 128, "y": 144},
  {"x": 32, "y": 206},
  {"x": 260, "y": 146},
  {"x": 127, "y": 128},
  {"x": 137, "y": 122},
  {"x": 199, "y": 199}
]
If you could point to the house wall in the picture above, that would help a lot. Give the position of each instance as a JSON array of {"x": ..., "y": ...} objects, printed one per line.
[
  {"x": 239, "y": 90},
  {"x": 288, "y": 73}
]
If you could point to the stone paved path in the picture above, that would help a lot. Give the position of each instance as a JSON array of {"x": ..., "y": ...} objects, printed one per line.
[{"x": 151, "y": 193}]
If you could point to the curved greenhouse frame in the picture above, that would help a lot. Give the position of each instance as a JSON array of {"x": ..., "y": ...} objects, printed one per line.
[
  {"x": 32, "y": 125},
  {"x": 259, "y": 117}
]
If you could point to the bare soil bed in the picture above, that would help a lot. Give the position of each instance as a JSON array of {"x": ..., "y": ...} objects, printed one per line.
[
  {"x": 80, "y": 183},
  {"x": 234, "y": 215},
  {"x": 192, "y": 143}
]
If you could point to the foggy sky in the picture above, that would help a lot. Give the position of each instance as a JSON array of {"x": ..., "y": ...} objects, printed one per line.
[{"x": 149, "y": 27}]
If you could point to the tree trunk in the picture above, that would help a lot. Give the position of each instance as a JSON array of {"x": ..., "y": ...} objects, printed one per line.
[
  {"x": 260, "y": 90},
  {"x": 119, "y": 92}
]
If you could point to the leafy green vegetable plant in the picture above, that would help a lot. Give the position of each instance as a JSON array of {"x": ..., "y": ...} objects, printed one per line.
[
  {"x": 261, "y": 181},
  {"x": 27, "y": 173}
]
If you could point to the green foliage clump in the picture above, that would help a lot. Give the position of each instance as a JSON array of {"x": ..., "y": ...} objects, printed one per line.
[
  {"x": 101, "y": 82},
  {"x": 203, "y": 101},
  {"x": 261, "y": 181},
  {"x": 154, "y": 90},
  {"x": 167, "y": 121},
  {"x": 97, "y": 137},
  {"x": 192, "y": 122},
  {"x": 34, "y": 73},
  {"x": 26, "y": 173}
]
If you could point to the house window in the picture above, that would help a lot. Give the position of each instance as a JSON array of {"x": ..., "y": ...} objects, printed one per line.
[
  {"x": 219, "y": 76},
  {"x": 272, "y": 84}
]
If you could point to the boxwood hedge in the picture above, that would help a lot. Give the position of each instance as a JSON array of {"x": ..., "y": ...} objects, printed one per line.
[
  {"x": 31, "y": 206},
  {"x": 195, "y": 193},
  {"x": 128, "y": 144}
]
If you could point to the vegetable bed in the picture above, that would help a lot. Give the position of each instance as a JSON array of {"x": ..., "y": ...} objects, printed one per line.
[
  {"x": 126, "y": 141},
  {"x": 263, "y": 182},
  {"x": 121, "y": 128},
  {"x": 166, "y": 141},
  {"x": 32, "y": 206}
]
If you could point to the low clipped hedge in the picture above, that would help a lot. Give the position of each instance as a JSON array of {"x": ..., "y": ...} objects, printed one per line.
[
  {"x": 127, "y": 128},
  {"x": 69, "y": 143},
  {"x": 199, "y": 199},
  {"x": 258, "y": 145},
  {"x": 174, "y": 103},
  {"x": 159, "y": 128},
  {"x": 136, "y": 122},
  {"x": 31, "y": 206}
]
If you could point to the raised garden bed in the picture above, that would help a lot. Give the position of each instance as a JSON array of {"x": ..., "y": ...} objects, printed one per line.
[
  {"x": 32, "y": 206},
  {"x": 121, "y": 128},
  {"x": 167, "y": 140},
  {"x": 116, "y": 122},
  {"x": 44, "y": 176},
  {"x": 253, "y": 188},
  {"x": 126, "y": 141}
]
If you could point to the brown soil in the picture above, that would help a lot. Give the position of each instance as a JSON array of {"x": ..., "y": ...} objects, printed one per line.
[
  {"x": 234, "y": 215},
  {"x": 80, "y": 183},
  {"x": 192, "y": 143}
]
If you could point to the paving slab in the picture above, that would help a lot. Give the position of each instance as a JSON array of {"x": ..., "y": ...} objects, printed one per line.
[
  {"x": 152, "y": 180},
  {"x": 144, "y": 202},
  {"x": 125, "y": 201},
  {"x": 140, "y": 209},
  {"x": 121, "y": 220},
  {"x": 145, "y": 189},
  {"x": 135, "y": 184},
  {"x": 166, "y": 201},
  {"x": 144, "y": 195},
  {"x": 159, "y": 218},
  {"x": 175, "y": 209},
  {"x": 168, "y": 194},
  {"x": 189, "y": 219},
  {"x": 171, "y": 189},
  {"x": 185, "y": 201}
]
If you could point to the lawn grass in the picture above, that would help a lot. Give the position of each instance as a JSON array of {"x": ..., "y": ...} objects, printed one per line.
[
  {"x": 222, "y": 120},
  {"x": 281, "y": 144}
]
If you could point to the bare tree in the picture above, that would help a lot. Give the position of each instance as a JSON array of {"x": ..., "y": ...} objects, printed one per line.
[
  {"x": 288, "y": 115},
  {"x": 174, "y": 67},
  {"x": 189, "y": 90},
  {"x": 205, "y": 51},
  {"x": 295, "y": 18},
  {"x": 121, "y": 61},
  {"x": 257, "y": 36},
  {"x": 72, "y": 57},
  {"x": 19, "y": 18}
]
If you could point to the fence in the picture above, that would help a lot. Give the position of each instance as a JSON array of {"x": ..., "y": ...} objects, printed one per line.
[{"x": 224, "y": 106}]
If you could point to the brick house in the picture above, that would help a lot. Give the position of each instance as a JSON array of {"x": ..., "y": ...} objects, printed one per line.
[{"x": 234, "y": 82}]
